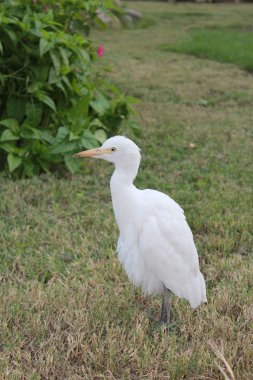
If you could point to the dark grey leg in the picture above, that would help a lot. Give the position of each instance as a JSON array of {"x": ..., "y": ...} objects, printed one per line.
[{"x": 165, "y": 315}]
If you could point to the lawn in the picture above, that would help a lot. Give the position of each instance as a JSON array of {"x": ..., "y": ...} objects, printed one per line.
[
  {"x": 68, "y": 310},
  {"x": 222, "y": 44}
]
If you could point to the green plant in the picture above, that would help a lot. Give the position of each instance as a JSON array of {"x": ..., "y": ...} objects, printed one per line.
[{"x": 52, "y": 100}]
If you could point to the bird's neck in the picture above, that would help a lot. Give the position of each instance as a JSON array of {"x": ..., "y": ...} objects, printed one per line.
[
  {"x": 125, "y": 173},
  {"x": 122, "y": 180},
  {"x": 123, "y": 194}
]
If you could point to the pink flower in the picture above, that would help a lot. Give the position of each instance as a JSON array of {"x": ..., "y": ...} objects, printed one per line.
[
  {"x": 46, "y": 8},
  {"x": 100, "y": 51},
  {"x": 34, "y": 1}
]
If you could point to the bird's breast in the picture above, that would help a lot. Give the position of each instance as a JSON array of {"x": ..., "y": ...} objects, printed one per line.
[{"x": 127, "y": 209}]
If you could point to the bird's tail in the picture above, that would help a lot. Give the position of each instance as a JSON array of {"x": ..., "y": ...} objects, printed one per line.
[
  {"x": 196, "y": 291},
  {"x": 203, "y": 288}
]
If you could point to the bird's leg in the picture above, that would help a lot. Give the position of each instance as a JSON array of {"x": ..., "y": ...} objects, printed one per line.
[{"x": 165, "y": 315}]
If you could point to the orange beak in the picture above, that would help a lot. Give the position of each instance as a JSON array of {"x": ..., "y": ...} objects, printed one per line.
[{"x": 92, "y": 153}]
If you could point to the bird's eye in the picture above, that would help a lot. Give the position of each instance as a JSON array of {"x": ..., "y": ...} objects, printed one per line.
[{"x": 113, "y": 149}]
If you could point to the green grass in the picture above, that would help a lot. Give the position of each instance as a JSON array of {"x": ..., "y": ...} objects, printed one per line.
[
  {"x": 67, "y": 309},
  {"x": 223, "y": 45}
]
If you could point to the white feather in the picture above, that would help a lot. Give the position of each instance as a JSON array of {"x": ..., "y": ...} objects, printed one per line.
[{"x": 156, "y": 245}]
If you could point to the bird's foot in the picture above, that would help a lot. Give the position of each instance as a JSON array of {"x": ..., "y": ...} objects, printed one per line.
[
  {"x": 165, "y": 326},
  {"x": 165, "y": 313},
  {"x": 165, "y": 320}
]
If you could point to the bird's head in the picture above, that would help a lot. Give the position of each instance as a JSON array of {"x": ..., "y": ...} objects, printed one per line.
[{"x": 118, "y": 149}]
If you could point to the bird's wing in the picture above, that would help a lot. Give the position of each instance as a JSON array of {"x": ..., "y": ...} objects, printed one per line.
[
  {"x": 167, "y": 246},
  {"x": 162, "y": 202}
]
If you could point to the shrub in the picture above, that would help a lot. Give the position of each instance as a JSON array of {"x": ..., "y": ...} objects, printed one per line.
[{"x": 52, "y": 101}]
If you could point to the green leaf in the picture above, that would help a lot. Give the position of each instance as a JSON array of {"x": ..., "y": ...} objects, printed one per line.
[
  {"x": 16, "y": 108},
  {"x": 53, "y": 77},
  {"x": 56, "y": 61},
  {"x": 65, "y": 70},
  {"x": 64, "y": 54},
  {"x": 47, "y": 136},
  {"x": 72, "y": 164},
  {"x": 100, "y": 135},
  {"x": 100, "y": 104},
  {"x": 96, "y": 124},
  {"x": 30, "y": 133},
  {"x": 61, "y": 142},
  {"x": 33, "y": 114},
  {"x": 47, "y": 100},
  {"x": 10, "y": 123},
  {"x": 88, "y": 140},
  {"x": 35, "y": 88},
  {"x": 85, "y": 56},
  {"x": 1, "y": 48},
  {"x": 12, "y": 35},
  {"x": 44, "y": 164},
  {"x": 13, "y": 161},
  {"x": 61, "y": 87},
  {"x": 61, "y": 134},
  {"x": 9, "y": 147},
  {"x": 79, "y": 111},
  {"x": 72, "y": 136},
  {"x": 64, "y": 147},
  {"x": 29, "y": 167},
  {"x": 8, "y": 135},
  {"x": 42, "y": 74},
  {"x": 67, "y": 82},
  {"x": 44, "y": 46}
]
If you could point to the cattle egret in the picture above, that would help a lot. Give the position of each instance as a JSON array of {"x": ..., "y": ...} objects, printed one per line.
[{"x": 155, "y": 245}]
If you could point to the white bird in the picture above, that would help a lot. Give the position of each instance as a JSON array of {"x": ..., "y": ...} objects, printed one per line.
[{"x": 155, "y": 245}]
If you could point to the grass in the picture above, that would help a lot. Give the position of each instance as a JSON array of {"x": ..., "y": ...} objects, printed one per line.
[
  {"x": 224, "y": 36},
  {"x": 68, "y": 311},
  {"x": 223, "y": 45}
]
